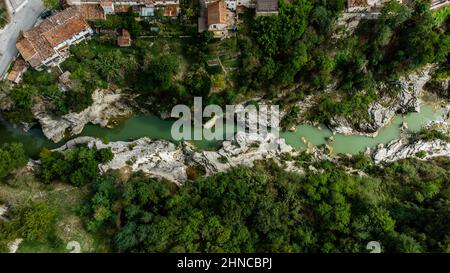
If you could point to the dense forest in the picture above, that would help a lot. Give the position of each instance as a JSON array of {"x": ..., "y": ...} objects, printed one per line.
[{"x": 404, "y": 206}]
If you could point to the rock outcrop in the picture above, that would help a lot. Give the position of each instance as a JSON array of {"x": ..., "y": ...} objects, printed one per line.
[
  {"x": 384, "y": 109},
  {"x": 106, "y": 106},
  {"x": 406, "y": 147},
  {"x": 440, "y": 87},
  {"x": 164, "y": 159},
  {"x": 243, "y": 150},
  {"x": 14, "y": 245},
  {"x": 158, "y": 158},
  {"x": 402, "y": 148}
]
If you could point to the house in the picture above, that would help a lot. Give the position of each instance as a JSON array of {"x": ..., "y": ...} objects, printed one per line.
[
  {"x": 124, "y": 39},
  {"x": 91, "y": 12},
  {"x": 64, "y": 78},
  {"x": 48, "y": 43},
  {"x": 171, "y": 10},
  {"x": 19, "y": 67},
  {"x": 266, "y": 7},
  {"x": 216, "y": 19},
  {"x": 143, "y": 7}
]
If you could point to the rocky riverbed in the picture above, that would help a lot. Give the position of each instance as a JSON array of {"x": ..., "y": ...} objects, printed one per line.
[
  {"x": 382, "y": 111},
  {"x": 164, "y": 159},
  {"x": 402, "y": 148},
  {"x": 170, "y": 161},
  {"x": 407, "y": 147},
  {"x": 107, "y": 105}
]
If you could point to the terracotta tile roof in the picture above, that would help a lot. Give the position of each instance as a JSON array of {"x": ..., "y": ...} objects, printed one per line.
[
  {"x": 38, "y": 44},
  {"x": 266, "y": 5},
  {"x": 64, "y": 78},
  {"x": 217, "y": 13},
  {"x": 65, "y": 31},
  {"x": 124, "y": 40},
  {"x": 19, "y": 66},
  {"x": 91, "y": 12},
  {"x": 170, "y": 10},
  {"x": 26, "y": 48}
]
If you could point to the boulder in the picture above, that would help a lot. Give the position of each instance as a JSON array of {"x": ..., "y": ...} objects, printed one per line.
[{"x": 106, "y": 106}]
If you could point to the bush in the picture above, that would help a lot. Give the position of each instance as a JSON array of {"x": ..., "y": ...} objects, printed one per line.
[
  {"x": 12, "y": 156},
  {"x": 77, "y": 166},
  {"x": 32, "y": 222},
  {"x": 421, "y": 154}
]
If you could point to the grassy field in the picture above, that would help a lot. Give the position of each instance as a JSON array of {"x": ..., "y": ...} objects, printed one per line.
[
  {"x": 227, "y": 52},
  {"x": 23, "y": 188},
  {"x": 441, "y": 15}
]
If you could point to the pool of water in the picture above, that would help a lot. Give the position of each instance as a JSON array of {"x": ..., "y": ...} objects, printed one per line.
[{"x": 353, "y": 143}]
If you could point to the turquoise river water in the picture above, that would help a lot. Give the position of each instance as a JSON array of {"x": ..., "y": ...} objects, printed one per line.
[{"x": 156, "y": 128}]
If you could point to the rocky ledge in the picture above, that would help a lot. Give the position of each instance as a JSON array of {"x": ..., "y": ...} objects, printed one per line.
[
  {"x": 406, "y": 147},
  {"x": 164, "y": 159},
  {"x": 402, "y": 148},
  {"x": 106, "y": 106},
  {"x": 383, "y": 110}
]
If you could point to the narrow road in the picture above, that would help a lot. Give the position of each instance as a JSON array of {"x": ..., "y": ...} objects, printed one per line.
[{"x": 21, "y": 21}]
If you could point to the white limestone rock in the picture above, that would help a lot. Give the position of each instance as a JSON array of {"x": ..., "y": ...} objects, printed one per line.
[
  {"x": 164, "y": 159},
  {"x": 384, "y": 109},
  {"x": 106, "y": 106},
  {"x": 401, "y": 149}
]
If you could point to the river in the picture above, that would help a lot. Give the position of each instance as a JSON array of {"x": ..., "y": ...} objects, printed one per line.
[{"x": 156, "y": 128}]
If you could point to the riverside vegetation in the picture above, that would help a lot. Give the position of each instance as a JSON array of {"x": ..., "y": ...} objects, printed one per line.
[{"x": 403, "y": 205}]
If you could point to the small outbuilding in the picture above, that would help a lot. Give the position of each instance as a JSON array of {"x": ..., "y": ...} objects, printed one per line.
[
  {"x": 266, "y": 7},
  {"x": 19, "y": 67},
  {"x": 124, "y": 39},
  {"x": 64, "y": 78}
]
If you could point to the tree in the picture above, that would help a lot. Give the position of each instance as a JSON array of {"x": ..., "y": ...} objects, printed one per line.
[
  {"x": 51, "y": 4},
  {"x": 244, "y": 210},
  {"x": 266, "y": 209},
  {"x": 23, "y": 96},
  {"x": 160, "y": 71},
  {"x": 198, "y": 84},
  {"x": 32, "y": 222},
  {"x": 12, "y": 156},
  {"x": 113, "y": 65},
  {"x": 35, "y": 221},
  {"x": 77, "y": 166}
]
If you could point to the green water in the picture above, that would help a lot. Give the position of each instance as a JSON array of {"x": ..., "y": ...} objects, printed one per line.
[
  {"x": 155, "y": 128},
  {"x": 354, "y": 144}
]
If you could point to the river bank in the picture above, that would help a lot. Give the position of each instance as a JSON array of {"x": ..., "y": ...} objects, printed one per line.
[
  {"x": 151, "y": 126},
  {"x": 179, "y": 163}
]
